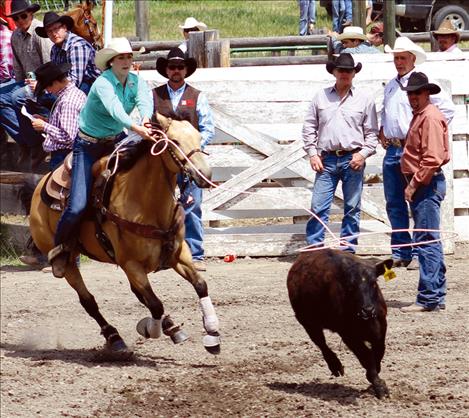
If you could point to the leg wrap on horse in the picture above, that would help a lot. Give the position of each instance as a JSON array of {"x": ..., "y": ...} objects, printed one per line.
[
  {"x": 149, "y": 327},
  {"x": 58, "y": 258},
  {"x": 210, "y": 317}
]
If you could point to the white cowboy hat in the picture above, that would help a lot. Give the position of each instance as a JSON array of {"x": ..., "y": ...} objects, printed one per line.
[
  {"x": 192, "y": 22},
  {"x": 404, "y": 44},
  {"x": 352, "y": 32},
  {"x": 116, "y": 47}
]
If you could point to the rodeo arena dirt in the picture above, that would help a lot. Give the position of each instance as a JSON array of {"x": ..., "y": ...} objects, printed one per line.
[{"x": 52, "y": 362}]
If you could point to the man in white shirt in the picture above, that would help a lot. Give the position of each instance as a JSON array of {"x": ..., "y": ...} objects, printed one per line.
[{"x": 395, "y": 121}]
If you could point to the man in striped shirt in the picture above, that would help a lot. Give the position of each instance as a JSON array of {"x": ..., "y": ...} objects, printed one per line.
[
  {"x": 62, "y": 126},
  {"x": 70, "y": 48}
]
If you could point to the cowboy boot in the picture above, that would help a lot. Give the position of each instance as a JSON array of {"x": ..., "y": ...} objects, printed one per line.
[{"x": 58, "y": 258}]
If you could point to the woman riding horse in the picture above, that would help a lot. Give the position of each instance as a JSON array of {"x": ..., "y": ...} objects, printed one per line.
[{"x": 113, "y": 96}]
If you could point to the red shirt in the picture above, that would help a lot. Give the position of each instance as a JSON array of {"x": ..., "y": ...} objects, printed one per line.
[{"x": 427, "y": 145}]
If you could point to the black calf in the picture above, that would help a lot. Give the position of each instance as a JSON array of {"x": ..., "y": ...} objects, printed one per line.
[{"x": 331, "y": 289}]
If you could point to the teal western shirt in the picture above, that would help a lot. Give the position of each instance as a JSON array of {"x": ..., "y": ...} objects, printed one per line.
[{"x": 109, "y": 104}]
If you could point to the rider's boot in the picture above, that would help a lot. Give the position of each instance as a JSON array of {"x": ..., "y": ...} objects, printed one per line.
[{"x": 58, "y": 258}]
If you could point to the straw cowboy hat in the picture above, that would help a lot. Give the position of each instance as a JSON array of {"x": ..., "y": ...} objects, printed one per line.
[
  {"x": 419, "y": 81},
  {"x": 352, "y": 32},
  {"x": 446, "y": 28},
  {"x": 191, "y": 23},
  {"x": 404, "y": 44},
  {"x": 47, "y": 73},
  {"x": 345, "y": 61},
  {"x": 20, "y": 6},
  {"x": 49, "y": 19},
  {"x": 116, "y": 47},
  {"x": 176, "y": 55}
]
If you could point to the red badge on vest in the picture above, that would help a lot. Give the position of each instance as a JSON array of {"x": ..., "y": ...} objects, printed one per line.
[{"x": 188, "y": 103}]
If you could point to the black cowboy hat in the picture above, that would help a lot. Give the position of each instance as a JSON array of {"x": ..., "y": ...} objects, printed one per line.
[
  {"x": 345, "y": 61},
  {"x": 419, "y": 81},
  {"x": 47, "y": 73},
  {"x": 176, "y": 55},
  {"x": 20, "y": 6},
  {"x": 49, "y": 19}
]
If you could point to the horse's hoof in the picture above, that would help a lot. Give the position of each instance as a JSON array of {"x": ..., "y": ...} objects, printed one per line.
[
  {"x": 149, "y": 327},
  {"x": 212, "y": 343},
  {"x": 179, "y": 337},
  {"x": 118, "y": 350}
]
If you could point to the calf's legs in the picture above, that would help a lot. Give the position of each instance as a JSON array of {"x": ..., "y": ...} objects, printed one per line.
[
  {"x": 368, "y": 360},
  {"x": 317, "y": 336}
]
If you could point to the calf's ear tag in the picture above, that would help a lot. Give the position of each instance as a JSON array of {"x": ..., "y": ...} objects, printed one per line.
[{"x": 388, "y": 274}]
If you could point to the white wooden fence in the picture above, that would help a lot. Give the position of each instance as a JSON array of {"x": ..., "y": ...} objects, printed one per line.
[{"x": 259, "y": 112}]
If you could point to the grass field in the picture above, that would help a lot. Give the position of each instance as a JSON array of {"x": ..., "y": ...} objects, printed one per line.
[{"x": 233, "y": 18}]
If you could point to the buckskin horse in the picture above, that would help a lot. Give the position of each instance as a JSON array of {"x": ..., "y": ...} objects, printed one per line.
[
  {"x": 145, "y": 226},
  {"x": 85, "y": 24}
]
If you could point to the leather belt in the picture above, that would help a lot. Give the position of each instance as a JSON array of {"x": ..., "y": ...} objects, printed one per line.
[
  {"x": 94, "y": 140},
  {"x": 396, "y": 142},
  {"x": 339, "y": 152},
  {"x": 408, "y": 177}
]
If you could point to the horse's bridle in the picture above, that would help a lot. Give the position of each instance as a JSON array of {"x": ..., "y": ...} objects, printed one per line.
[{"x": 156, "y": 130}]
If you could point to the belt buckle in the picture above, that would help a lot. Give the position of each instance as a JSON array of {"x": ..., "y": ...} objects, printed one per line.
[
  {"x": 396, "y": 142},
  {"x": 339, "y": 153}
]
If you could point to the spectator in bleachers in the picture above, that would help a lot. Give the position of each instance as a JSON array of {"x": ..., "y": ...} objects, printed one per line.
[
  {"x": 62, "y": 125},
  {"x": 8, "y": 85},
  {"x": 376, "y": 35},
  {"x": 447, "y": 37},
  {"x": 29, "y": 52},
  {"x": 70, "y": 48},
  {"x": 352, "y": 41}
]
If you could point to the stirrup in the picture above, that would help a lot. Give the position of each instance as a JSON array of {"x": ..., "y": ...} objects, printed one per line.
[{"x": 58, "y": 258}]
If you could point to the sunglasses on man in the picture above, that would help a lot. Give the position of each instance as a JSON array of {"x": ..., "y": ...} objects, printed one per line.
[
  {"x": 22, "y": 16},
  {"x": 173, "y": 67}
]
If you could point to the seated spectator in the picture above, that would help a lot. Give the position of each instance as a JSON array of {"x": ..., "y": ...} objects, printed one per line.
[
  {"x": 70, "y": 48},
  {"x": 447, "y": 37},
  {"x": 62, "y": 126},
  {"x": 376, "y": 35},
  {"x": 352, "y": 41},
  {"x": 8, "y": 119},
  {"x": 29, "y": 52},
  {"x": 191, "y": 24}
]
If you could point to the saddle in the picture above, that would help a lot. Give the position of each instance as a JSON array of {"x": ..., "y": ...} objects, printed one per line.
[{"x": 58, "y": 184}]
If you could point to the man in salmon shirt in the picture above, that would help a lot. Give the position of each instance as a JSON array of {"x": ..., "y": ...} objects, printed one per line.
[{"x": 426, "y": 151}]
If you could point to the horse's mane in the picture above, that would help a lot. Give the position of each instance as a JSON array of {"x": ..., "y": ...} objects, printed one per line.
[{"x": 132, "y": 154}]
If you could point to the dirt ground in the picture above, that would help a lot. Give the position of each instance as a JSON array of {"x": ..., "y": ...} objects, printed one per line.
[{"x": 52, "y": 364}]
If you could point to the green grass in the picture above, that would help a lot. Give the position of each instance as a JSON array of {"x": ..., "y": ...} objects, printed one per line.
[{"x": 233, "y": 18}]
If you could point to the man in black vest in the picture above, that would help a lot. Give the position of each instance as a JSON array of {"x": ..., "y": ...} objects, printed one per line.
[{"x": 178, "y": 100}]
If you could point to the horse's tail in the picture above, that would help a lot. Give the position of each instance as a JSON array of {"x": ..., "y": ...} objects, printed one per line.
[{"x": 25, "y": 195}]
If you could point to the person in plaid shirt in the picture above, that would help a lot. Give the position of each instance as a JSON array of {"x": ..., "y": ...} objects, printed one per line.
[
  {"x": 62, "y": 126},
  {"x": 70, "y": 48}
]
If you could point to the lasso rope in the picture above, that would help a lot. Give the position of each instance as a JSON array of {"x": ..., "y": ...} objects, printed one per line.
[{"x": 336, "y": 242}]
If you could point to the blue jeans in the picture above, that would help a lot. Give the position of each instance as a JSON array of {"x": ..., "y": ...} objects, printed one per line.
[
  {"x": 426, "y": 213},
  {"x": 193, "y": 220},
  {"x": 8, "y": 118},
  {"x": 396, "y": 206},
  {"x": 85, "y": 154},
  {"x": 307, "y": 15},
  {"x": 325, "y": 184},
  {"x": 57, "y": 158},
  {"x": 28, "y": 136},
  {"x": 341, "y": 12}
]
